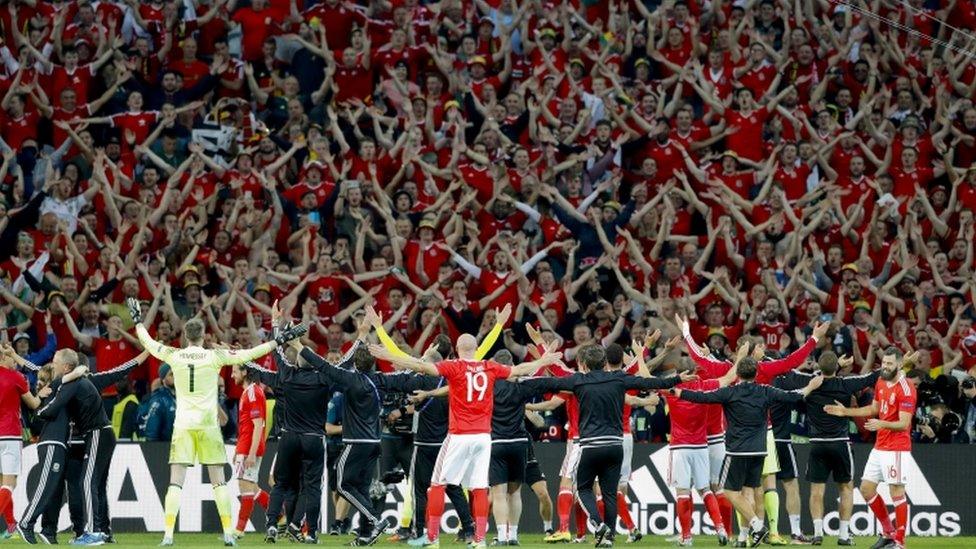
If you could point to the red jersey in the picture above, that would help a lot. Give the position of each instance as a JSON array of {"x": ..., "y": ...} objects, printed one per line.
[
  {"x": 109, "y": 354},
  {"x": 13, "y": 384},
  {"x": 472, "y": 394},
  {"x": 892, "y": 399},
  {"x": 689, "y": 426},
  {"x": 252, "y": 406}
]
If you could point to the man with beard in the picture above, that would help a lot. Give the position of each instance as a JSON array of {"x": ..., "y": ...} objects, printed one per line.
[{"x": 891, "y": 417}]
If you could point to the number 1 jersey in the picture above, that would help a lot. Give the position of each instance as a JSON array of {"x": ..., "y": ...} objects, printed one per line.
[{"x": 472, "y": 393}]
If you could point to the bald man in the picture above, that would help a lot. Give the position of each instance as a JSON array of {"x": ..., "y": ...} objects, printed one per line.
[{"x": 466, "y": 454}]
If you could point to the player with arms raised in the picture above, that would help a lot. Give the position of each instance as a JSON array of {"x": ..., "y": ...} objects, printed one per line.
[
  {"x": 196, "y": 430},
  {"x": 891, "y": 410},
  {"x": 465, "y": 457}
]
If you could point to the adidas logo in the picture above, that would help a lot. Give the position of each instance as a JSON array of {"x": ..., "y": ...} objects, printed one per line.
[{"x": 653, "y": 505}]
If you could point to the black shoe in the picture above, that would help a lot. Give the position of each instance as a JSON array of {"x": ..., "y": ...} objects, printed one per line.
[
  {"x": 849, "y": 542},
  {"x": 883, "y": 542},
  {"x": 601, "y": 532},
  {"x": 294, "y": 533},
  {"x": 345, "y": 526},
  {"x": 496, "y": 543},
  {"x": 108, "y": 538},
  {"x": 550, "y": 532},
  {"x": 514, "y": 543},
  {"x": 271, "y": 536},
  {"x": 464, "y": 536},
  {"x": 759, "y": 537},
  {"x": 800, "y": 539},
  {"x": 26, "y": 534},
  {"x": 47, "y": 538},
  {"x": 335, "y": 529},
  {"x": 311, "y": 540},
  {"x": 818, "y": 540},
  {"x": 377, "y": 531}
]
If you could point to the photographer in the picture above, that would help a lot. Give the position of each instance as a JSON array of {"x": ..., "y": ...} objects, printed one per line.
[
  {"x": 936, "y": 424},
  {"x": 968, "y": 388}
]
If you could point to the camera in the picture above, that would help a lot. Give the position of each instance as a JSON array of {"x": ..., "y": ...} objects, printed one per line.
[{"x": 969, "y": 383}]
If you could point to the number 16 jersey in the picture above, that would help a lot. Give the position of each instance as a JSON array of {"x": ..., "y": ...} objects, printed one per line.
[{"x": 472, "y": 393}]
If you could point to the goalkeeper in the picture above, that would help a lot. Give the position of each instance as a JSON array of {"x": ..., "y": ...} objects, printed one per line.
[{"x": 196, "y": 431}]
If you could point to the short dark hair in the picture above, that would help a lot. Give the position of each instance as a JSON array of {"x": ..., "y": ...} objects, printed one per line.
[
  {"x": 363, "y": 360},
  {"x": 894, "y": 351},
  {"x": 746, "y": 369},
  {"x": 443, "y": 345},
  {"x": 828, "y": 363},
  {"x": 614, "y": 354},
  {"x": 593, "y": 356}
]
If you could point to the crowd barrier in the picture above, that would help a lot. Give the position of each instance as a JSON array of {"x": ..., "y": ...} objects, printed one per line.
[{"x": 942, "y": 500}]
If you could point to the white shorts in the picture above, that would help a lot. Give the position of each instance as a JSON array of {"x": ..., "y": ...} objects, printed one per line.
[
  {"x": 571, "y": 460},
  {"x": 10, "y": 456},
  {"x": 688, "y": 468},
  {"x": 463, "y": 460},
  {"x": 627, "y": 465},
  {"x": 716, "y": 457},
  {"x": 886, "y": 466},
  {"x": 249, "y": 474}
]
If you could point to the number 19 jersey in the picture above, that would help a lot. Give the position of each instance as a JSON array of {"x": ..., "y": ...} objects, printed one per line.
[{"x": 472, "y": 393}]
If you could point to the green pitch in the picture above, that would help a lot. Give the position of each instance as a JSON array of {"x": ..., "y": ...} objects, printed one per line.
[{"x": 200, "y": 541}]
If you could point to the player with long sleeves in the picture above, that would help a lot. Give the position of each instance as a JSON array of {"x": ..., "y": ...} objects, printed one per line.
[
  {"x": 196, "y": 430},
  {"x": 891, "y": 413},
  {"x": 746, "y": 407}
]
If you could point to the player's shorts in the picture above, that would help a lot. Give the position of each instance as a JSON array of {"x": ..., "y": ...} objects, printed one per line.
[
  {"x": 828, "y": 458},
  {"x": 508, "y": 462},
  {"x": 787, "y": 460},
  {"x": 688, "y": 468},
  {"x": 627, "y": 465},
  {"x": 197, "y": 446},
  {"x": 571, "y": 460},
  {"x": 771, "y": 463},
  {"x": 716, "y": 458},
  {"x": 533, "y": 472},
  {"x": 249, "y": 474},
  {"x": 464, "y": 459},
  {"x": 10, "y": 451},
  {"x": 886, "y": 466},
  {"x": 739, "y": 471}
]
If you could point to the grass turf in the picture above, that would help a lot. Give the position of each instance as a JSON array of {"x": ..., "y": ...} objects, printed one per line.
[{"x": 528, "y": 541}]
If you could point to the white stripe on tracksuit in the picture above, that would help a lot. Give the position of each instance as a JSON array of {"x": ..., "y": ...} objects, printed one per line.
[
  {"x": 87, "y": 486},
  {"x": 39, "y": 491},
  {"x": 368, "y": 513}
]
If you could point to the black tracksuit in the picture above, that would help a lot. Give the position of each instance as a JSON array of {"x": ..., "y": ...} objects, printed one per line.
[
  {"x": 60, "y": 464},
  {"x": 746, "y": 407},
  {"x": 300, "y": 458},
  {"x": 509, "y": 439},
  {"x": 83, "y": 403},
  {"x": 601, "y": 404},
  {"x": 830, "y": 445},
  {"x": 360, "y": 432}
]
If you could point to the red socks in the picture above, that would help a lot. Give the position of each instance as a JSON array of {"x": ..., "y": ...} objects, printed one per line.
[
  {"x": 247, "y": 505},
  {"x": 623, "y": 511},
  {"x": 435, "y": 508},
  {"x": 881, "y": 511},
  {"x": 479, "y": 508},
  {"x": 901, "y": 519},
  {"x": 684, "y": 514},
  {"x": 711, "y": 503},
  {"x": 599, "y": 508},
  {"x": 580, "y": 520},
  {"x": 564, "y": 504},
  {"x": 725, "y": 507},
  {"x": 7, "y": 505}
]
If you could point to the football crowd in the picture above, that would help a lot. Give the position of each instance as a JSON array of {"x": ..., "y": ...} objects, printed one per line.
[{"x": 757, "y": 167}]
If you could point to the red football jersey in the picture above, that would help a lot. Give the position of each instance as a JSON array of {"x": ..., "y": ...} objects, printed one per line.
[
  {"x": 893, "y": 398},
  {"x": 251, "y": 406},
  {"x": 472, "y": 393},
  {"x": 572, "y": 405},
  {"x": 13, "y": 384},
  {"x": 689, "y": 426}
]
